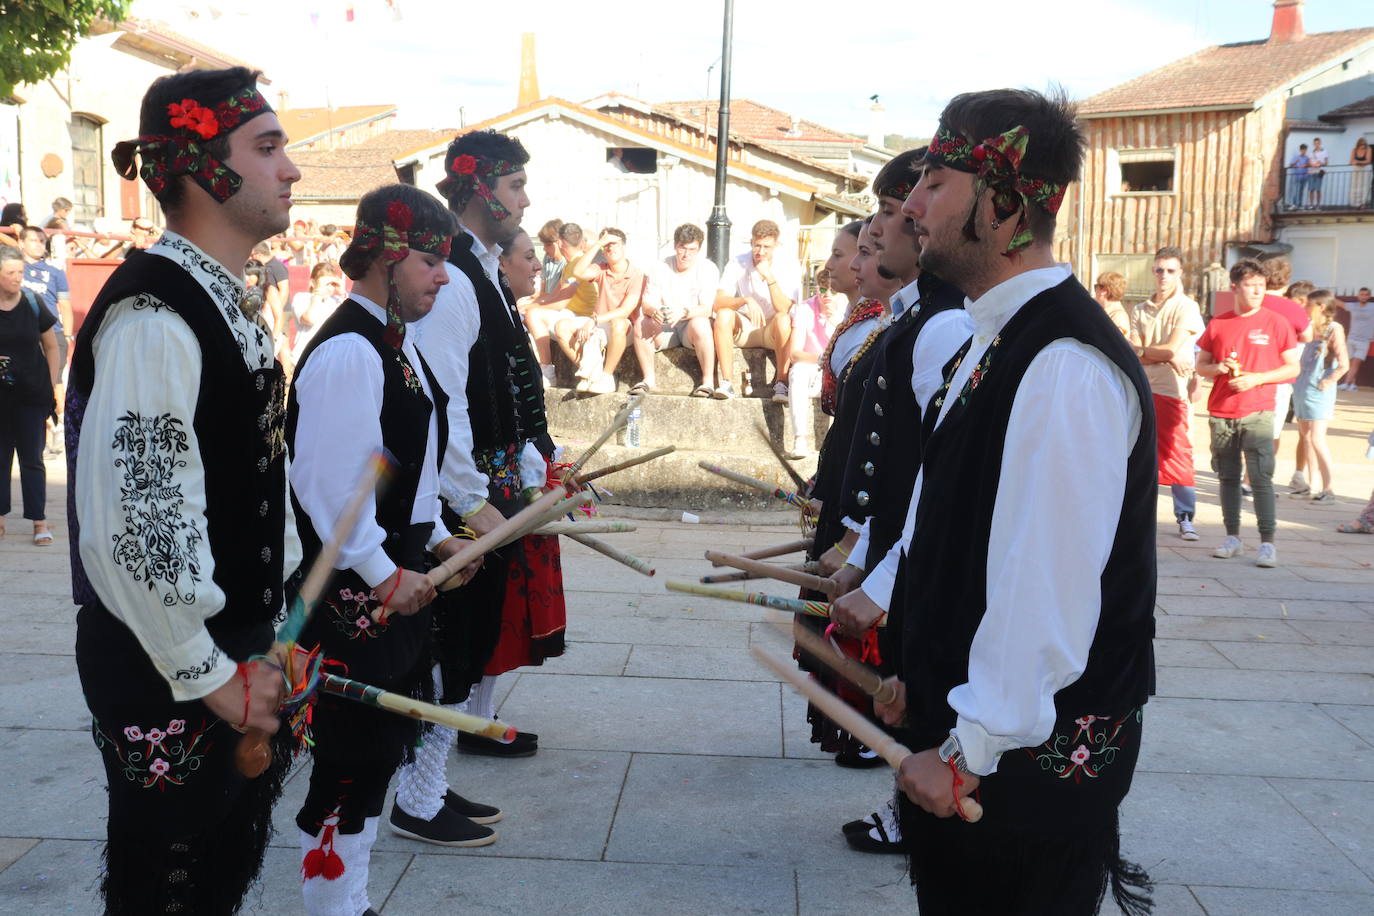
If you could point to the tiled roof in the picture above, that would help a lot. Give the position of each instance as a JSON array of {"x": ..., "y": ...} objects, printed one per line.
[
  {"x": 181, "y": 47},
  {"x": 353, "y": 171},
  {"x": 759, "y": 122},
  {"x": 303, "y": 123},
  {"x": 1234, "y": 75},
  {"x": 1364, "y": 108}
]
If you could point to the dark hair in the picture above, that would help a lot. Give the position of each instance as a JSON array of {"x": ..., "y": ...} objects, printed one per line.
[
  {"x": 61, "y": 203},
  {"x": 688, "y": 233},
  {"x": 328, "y": 229},
  {"x": 1057, "y": 143},
  {"x": 548, "y": 233},
  {"x": 1170, "y": 251},
  {"x": 1278, "y": 272},
  {"x": 1245, "y": 268},
  {"x": 209, "y": 87},
  {"x": 257, "y": 271},
  {"x": 571, "y": 233},
  {"x": 427, "y": 215},
  {"x": 483, "y": 144},
  {"x": 14, "y": 213},
  {"x": 611, "y": 230},
  {"x": 900, "y": 170},
  {"x": 32, "y": 230},
  {"x": 1300, "y": 290},
  {"x": 262, "y": 248},
  {"x": 1302, "y": 146},
  {"x": 764, "y": 229},
  {"x": 855, "y": 227}
]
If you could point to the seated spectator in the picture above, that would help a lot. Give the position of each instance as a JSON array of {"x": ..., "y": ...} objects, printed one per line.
[
  {"x": 14, "y": 218},
  {"x": 620, "y": 288},
  {"x": 142, "y": 235},
  {"x": 61, "y": 212},
  {"x": 299, "y": 248},
  {"x": 554, "y": 262},
  {"x": 57, "y": 223},
  {"x": 332, "y": 244},
  {"x": 566, "y": 299},
  {"x": 1108, "y": 290},
  {"x": 277, "y": 290},
  {"x": 753, "y": 306},
  {"x": 312, "y": 308},
  {"x": 677, "y": 309},
  {"x": 812, "y": 327}
]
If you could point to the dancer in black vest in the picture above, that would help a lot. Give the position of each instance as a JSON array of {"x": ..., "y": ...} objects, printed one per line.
[
  {"x": 496, "y": 457},
  {"x": 1026, "y": 641},
  {"x": 180, "y": 527},
  {"x": 361, "y": 387}
]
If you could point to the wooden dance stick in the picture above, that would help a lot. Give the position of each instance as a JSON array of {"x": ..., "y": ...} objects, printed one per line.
[
  {"x": 777, "y": 550},
  {"x": 783, "y": 460},
  {"x": 627, "y": 463},
  {"x": 754, "y": 483},
  {"x": 416, "y": 709},
  {"x": 808, "y": 567},
  {"x": 254, "y": 752},
  {"x": 585, "y": 528},
  {"x": 571, "y": 474},
  {"x": 518, "y": 525},
  {"x": 773, "y": 571},
  {"x": 851, "y": 669},
  {"x": 562, "y": 508},
  {"x": 619, "y": 556},
  {"x": 850, "y": 719},
  {"x": 787, "y": 605}
]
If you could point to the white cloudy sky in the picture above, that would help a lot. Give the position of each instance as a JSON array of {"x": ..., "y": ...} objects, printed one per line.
[{"x": 812, "y": 61}]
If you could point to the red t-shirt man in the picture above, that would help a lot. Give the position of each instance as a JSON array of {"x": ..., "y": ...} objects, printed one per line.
[{"x": 1250, "y": 344}]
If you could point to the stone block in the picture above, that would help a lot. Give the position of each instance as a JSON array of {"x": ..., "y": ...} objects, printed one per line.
[
  {"x": 1188, "y": 653},
  {"x": 1205, "y": 604},
  {"x": 1228, "y": 629},
  {"x": 1336, "y": 632},
  {"x": 441, "y": 884},
  {"x": 1359, "y": 719},
  {"x": 836, "y": 892},
  {"x": 796, "y": 736},
  {"x": 586, "y": 658},
  {"x": 648, "y": 714},
  {"x": 1333, "y": 659},
  {"x": 1280, "y": 686},
  {"x": 1255, "y": 738},
  {"x": 677, "y": 371},
  {"x": 278, "y": 890},
  {"x": 711, "y": 664},
  {"x": 1228, "y": 830},
  {"x": 54, "y": 786},
  {"x": 42, "y": 692},
  {"x": 55, "y": 876},
  {"x": 686, "y": 810},
  {"x": 12, "y": 849},
  {"x": 1341, "y": 809},
  {"x": 1250, "y": 901}
]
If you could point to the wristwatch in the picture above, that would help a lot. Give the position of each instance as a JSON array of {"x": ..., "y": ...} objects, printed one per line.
[{"x": 952, "y": 752}]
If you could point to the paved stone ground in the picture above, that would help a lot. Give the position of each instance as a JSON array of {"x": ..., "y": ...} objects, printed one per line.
[{"x": 676, "y": 777}]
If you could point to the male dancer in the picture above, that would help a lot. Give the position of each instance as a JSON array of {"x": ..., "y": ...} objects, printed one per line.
[
  {"x": 929, "y": 326},
  {"x": 361, "y": 387},
  {"x": 1028, "y": 622},
  {"x": 180, "y": 527},
  {"x": 498, "y": 443}
]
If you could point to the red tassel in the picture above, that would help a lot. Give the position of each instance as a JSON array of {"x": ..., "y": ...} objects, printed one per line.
[
  {"x": 333, "y": 866},
  {"x": 313, "y": 866},
  {"x": 322, "y": 862}
]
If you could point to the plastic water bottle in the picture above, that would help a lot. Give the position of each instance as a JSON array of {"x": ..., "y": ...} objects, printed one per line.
[{"x": 632, "y": 429}]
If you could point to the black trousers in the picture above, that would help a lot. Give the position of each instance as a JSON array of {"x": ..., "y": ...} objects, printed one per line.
[{"x": 22, "y": 430}]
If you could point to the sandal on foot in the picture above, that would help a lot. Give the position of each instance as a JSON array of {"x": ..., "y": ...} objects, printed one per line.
[
  {"x": 702, "y": 391},
  {"x": 1356, "y": 527},
  {"x": 42, "y": 538},
  {"x": 641, "y": 388}
]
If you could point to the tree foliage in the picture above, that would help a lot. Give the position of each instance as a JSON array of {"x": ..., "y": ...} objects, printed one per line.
[{"x": 37, "y": 36}]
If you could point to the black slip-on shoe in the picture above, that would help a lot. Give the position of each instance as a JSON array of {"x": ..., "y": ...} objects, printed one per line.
[
  {"x": 524, "y": 745},
  {"x": 476, "y": 812},
  {"x": 447, "y": 828}
]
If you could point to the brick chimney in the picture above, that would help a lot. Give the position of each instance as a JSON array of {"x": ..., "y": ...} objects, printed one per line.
[{"x": 1287, "y": 22}]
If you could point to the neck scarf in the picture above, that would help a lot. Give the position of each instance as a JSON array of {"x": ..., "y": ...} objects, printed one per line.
[
  {"x": 862, "y": 311},
  {"x": 997, "y": 164},
  {"x": 393, "y": 239},
  {"x": 467, "y": 175},
  {"x": 181, "y": 150}
]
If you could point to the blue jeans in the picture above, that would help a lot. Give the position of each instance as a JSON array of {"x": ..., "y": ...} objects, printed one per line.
[
  {"x": 1185, "y": 501},
  {"x": 1297, "y": 190}
]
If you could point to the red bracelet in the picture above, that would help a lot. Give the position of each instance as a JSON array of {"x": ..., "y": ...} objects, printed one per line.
[
  {"x": 954, "y": 790},
  {"x": 389, "y": 595},
  {"x": 243, "y": 670}
]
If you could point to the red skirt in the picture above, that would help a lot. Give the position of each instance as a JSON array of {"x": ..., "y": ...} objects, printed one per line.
[
  {"x": 1173, "y": 442},
  {"x": 533, "y": 614}
]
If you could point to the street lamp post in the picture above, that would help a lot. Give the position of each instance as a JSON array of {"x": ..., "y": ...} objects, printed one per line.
[{"x": 718, "y": 226}]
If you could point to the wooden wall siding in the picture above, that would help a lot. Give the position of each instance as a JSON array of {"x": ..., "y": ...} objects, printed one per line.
[{"x": 1227, "y": 174}]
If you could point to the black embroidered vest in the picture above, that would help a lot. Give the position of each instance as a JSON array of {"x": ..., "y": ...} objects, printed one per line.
[
  {"x": 885, "y": 451},
  {"x": 238, "y": 425},
  {"x": 834, "y": 452},
  {"x": 405, "y": 429},
  {"x": 946, "y": 582}
]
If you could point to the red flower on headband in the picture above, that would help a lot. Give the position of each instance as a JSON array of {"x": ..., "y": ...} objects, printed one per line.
[
  {"x": 399, "y": 216},
  {"x": 191, "y": 115},
  {"x": 465, "y": 164}
]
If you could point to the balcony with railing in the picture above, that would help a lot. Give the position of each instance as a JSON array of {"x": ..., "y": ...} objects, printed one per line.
[{"x": 1335, "y": 189}]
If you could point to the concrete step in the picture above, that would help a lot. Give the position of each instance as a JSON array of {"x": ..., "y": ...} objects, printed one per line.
[
  {"x": 676, "y": 483},
  {"x": 678, "y": 372},
  {"x": 739, "y": 426}
]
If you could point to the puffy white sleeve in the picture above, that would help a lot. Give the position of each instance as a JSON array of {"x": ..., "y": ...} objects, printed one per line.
[
  {"x": 338, "y": 427},
  {"x": 141, "y": 495},
  {"x": 445, "y": 337},
  {"x": 1072, "y": 426}
]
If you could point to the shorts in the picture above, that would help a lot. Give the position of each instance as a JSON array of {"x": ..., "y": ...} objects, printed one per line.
[
  {"x": 1283, "y": 396},
  {"x": 1359, "y": 347},
  {"x": 669, "y": 337},
  {"x": 744, "y": 329}
]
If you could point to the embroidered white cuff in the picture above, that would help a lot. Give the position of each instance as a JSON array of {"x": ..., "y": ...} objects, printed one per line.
[
  {"x": 466, "y": 504},
  {"x": 981, "y": 750},
  {"x": 193, "y": 668}
]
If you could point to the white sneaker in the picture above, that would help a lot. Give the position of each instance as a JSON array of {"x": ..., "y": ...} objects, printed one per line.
[
  {"x": 724, "y": 392},
  {"x": 1267, "y": 556},
  {"x": 780, "y": 393},
  {"x": 1231, "y": 547},
  {"x": 603, "y": 384},
  {"x": 548, "y": 373},
  {"x": 1298, "y": 481},
  {"x": 1186, "y": 530},
  {"x": 801, "y": 447}
]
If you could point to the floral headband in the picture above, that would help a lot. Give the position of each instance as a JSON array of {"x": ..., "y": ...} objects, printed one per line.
[
  {"x": 181, "y": 152},
  {"x": 468, "y": 175},
  {"x": 394, "y": 239},
  {"x": 997, "y": 164}
]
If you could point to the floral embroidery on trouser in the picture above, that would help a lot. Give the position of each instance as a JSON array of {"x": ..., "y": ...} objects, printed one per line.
[{"x": 158, "y": 756}]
